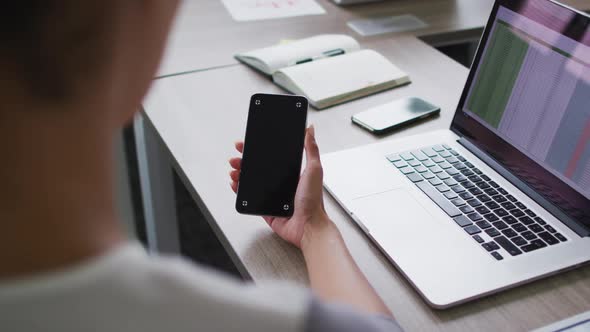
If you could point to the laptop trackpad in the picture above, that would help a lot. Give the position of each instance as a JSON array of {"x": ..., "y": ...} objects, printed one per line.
[{"x": 395, "y": 214}]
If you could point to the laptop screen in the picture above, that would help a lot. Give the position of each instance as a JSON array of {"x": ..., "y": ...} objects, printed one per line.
[{"x": 527, "y": 99}]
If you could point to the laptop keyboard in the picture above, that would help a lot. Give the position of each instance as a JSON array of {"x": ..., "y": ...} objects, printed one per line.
[{"x": 477, "y": 203}]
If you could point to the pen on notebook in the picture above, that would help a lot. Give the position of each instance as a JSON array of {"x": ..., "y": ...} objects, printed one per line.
[{"x": 326, "y": 54}]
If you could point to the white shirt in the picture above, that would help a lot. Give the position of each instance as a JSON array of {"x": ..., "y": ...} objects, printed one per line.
[{"x": 127, "y": 290}]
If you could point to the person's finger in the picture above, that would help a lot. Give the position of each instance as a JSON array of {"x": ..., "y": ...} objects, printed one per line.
[
  {"x": 312, "y": 151},
  {"x": 240, "y": 147},
  {"x": 278, "y": 224},
  {"x": 235, "y": 175},
  {"x": 234, "y": 187},
  {"x": 268, "y": 220},
  {"x": 236, "y": 163}
]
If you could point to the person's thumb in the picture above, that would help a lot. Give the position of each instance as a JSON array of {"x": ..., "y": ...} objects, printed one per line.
[{"x": 312, "y": 151}]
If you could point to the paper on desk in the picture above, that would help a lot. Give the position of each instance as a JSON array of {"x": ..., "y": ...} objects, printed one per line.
[{"x": 251, "y": 10}]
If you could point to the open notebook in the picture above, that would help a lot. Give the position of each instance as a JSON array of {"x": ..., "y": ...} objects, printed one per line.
[{"x": 327, "y": 69}]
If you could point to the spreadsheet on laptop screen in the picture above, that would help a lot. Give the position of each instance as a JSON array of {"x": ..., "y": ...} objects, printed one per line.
[{"x": 532, "y": 88}]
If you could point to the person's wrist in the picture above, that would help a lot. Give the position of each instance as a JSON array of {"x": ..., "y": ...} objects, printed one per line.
[{"x": 320, "y": 228}]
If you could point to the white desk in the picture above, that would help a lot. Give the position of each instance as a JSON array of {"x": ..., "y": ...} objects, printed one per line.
[{"x": 198, "y": 116}]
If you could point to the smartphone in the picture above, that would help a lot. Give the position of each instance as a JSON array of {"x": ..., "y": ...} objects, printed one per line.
[
  {"x": 394, "y": 115},
  {"x": 273, "y": 150}
]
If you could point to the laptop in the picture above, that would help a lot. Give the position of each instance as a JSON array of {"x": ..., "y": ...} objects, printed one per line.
[{"x": 502, "y": 198}]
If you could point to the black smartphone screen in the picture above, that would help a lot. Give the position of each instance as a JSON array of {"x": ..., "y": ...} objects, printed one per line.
[{"x": 273, "y": 150}]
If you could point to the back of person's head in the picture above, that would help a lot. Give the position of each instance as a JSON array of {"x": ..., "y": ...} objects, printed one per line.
[{"x": 55, "y": 50}]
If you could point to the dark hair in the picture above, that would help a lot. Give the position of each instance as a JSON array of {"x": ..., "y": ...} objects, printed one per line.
[{"x": 52, "y": 44}]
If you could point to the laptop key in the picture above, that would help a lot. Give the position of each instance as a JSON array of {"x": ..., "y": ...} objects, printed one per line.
[
  {"x": 492, "y": 205},
  {"x": 500, "y": 225},
  {"x": 468, "y": 164},
  {"x": 427, "y": 175},
  {"x": 528, "y": 235},
  {"x": 474, "y": 216},
  {"x": 450, "y": 195},
  {"x": 465, "y": 195},
  {"x": 491, "y": 217},
  {"x": 494, "y": 184},
  {"x": 443, "y": 175},
  {"x": 450, "y": 182},
  {"x": 439, "y": 199},
  {"x": 447, "y": 147},
  {"x": 435, "y": 169},
  {"x": 530, "y": 213},
  {"x": 485, "y": 177},
  {"x": 501, "y": 212},
  {"x": 509, "y": 232},
  {"x": 502, "y": 191},
  {"x": 442, "y": 188},
  {"x": 466, "y": 209},
  {"x": 459, "y": 178},
  {"x": 547, "y": 237},
  {"x": 499, "y": 198},
  {"x": 492, "y": 232},
  {"x": 406, "y": 170},
  {"x": 472, "y": 230},
  {"x": 491, "y": 191},
  {"x": 435, "y": 181},
  {"x": 428, "y": 163},
  {"x": 477, "y": 171},
  {"x": 460, "y": 166},
  {"x": 458, "y": 202},
  {"x": 400, "y": 164},
  {"x": 461, "y": 158},
  {"x": 560, "y": 237},
  {"x": 550, "y": 229},
  {"x": 445, "y": 154},
  {"x": 539, "y": 243},
  {"x": 438, "y": 159},
  {"x": 536, "y": 228},
  {"x": 540, "y": 221},
  {"x": 429, "y": 152},
  {"x": 526, "y": 220},
  {"x": 483, "y": 197},
  {"x": 406, "y": 156},
  {"x": 452, "y": 171},
  {"x": 467, "y": 172},
  {"x": 457, "y": 189},
  {"x": 519, "y": 241},
  {"x": 482, "y": 210},
  {"x": 462, "y": 221},
  {"x": 483, "y": 224},
  {"x": 393, "y": 157},
  {"x": 517, "y": 213},
  {"x": 438, "y": 148},
  {"x": 414, "y": 163},
  {"x": 519, "y": 227},
  {"x": 467, "y": 184},
  {"x": 508, "y": 206},
  {"x": 474, "y": 202},
  {"x": 452, "y": 160},
  {"x": 510, "y": 219},
  {"x": 445, "y": 165},
  {"x": 478, "y": 239},
  {"x": 421, "y": 169},
  {"x": 482, "y": 185},
  {"x": 511, "y": 198},
  {"x": 487, "y": 246},
  {"x": 475, "y": 191},
  {"x": 520, "y": 205},
  {"x": 419, "y": 155},
  {"x": 414, "y": 177},
  {"x": 507, "y": 245},
  {"x": 497, "y": 255}
]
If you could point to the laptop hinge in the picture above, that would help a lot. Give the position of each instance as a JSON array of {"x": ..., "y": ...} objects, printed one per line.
[{"x": 575, "y": 226}]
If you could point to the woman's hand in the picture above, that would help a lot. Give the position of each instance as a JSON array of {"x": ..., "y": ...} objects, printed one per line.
[{"x": 309, "y": 216}]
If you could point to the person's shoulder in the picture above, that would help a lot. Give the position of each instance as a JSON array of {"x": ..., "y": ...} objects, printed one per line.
[{"x": 219, "y": 301}]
